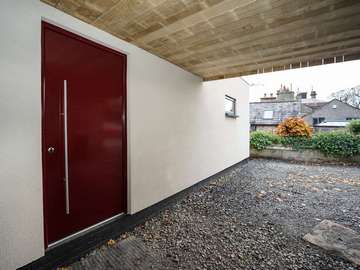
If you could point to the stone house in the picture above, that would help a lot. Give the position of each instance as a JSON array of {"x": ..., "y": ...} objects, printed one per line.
[
  {"x": 322, "y": 115},
  {"x": 333, "y": 115},
  {"x": 267, "y": 115},
  {"x": 270, "y": 111}
]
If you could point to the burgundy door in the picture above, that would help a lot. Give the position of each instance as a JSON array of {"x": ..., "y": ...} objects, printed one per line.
[{"x": 84, "y": 133}]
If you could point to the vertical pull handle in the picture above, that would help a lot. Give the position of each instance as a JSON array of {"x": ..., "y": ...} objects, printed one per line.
[{"x": 66, "y": 178}]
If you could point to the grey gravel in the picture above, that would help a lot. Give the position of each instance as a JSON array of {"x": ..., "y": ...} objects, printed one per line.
[{"x": 254, "y": 217}]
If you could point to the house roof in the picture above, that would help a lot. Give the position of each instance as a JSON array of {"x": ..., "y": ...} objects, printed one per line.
[
  {"x": 228, "y": 38},
  {"x": 329, "y": 102},
  {"x": 281, "y": 110},
  {"x": 313, "y": 103}
]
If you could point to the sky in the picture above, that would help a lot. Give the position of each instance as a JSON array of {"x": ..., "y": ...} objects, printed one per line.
[{"x": 324, "y": 79}]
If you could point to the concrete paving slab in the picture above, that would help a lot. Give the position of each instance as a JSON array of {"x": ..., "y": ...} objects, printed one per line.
[{"x": 336, "y": 238}]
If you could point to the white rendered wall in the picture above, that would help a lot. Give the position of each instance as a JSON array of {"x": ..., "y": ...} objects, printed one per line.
[
  {"x": 177, "y": 131},
  {"x": 183, "y": 136}
]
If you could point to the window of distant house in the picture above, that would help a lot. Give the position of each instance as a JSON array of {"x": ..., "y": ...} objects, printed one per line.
[
  {"x": 230, "y": 106},
  {"x": 334, "y": 106},
  {"x": 318, "y": 120},
  {"x": 268, "y": 114}
]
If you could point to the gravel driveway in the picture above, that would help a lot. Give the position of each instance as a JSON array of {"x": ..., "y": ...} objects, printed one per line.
[{"x": 253, "y": 217}]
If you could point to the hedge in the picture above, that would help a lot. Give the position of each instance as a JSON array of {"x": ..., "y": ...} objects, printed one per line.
[
  {"x": 260, "y": 140},
  {"x": 298, "y": 142},
  {"x": 336, "y": 143},
  {"x": 354, "y": 127}
]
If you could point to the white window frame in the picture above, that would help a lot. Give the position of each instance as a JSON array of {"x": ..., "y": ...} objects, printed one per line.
[
  {"x": 230, "y": 112},
  {"x": 267, "y": 114}
]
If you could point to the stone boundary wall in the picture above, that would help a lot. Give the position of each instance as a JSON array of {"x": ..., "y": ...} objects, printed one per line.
[{"x": 285, "y": 153}]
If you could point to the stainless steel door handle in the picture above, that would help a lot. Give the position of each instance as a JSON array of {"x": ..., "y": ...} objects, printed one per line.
[
  {"x": 66, "y": 178},
  {"x": 51, "y": 150}
]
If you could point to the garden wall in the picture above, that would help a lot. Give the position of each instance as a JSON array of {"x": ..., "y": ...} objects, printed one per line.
[{"x": 284, "y": 153}]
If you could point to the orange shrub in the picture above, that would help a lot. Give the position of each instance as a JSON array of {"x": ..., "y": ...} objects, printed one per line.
[{"x": 294, "y": 126}]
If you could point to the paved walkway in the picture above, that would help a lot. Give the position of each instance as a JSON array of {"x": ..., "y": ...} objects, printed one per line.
[{"x": 252, "y": 217}]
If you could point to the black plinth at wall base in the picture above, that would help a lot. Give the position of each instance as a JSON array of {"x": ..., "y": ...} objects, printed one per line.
[{"x": 75, "y": 249}]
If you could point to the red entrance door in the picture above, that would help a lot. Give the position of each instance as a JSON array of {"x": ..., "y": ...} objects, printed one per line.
[{"x": 84, "y": 133}]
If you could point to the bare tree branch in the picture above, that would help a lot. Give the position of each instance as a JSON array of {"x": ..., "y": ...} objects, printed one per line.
[{"x": 350, "y": 96}]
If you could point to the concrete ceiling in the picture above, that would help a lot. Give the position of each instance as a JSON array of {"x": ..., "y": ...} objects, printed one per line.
[{"x": 227, "y": 38}]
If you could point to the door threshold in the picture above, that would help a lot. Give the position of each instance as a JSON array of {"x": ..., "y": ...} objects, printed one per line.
[{"x": 82, "y": 232}]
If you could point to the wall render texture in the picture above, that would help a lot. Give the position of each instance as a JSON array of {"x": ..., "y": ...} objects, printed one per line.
[{"x": 177, "y": 131}]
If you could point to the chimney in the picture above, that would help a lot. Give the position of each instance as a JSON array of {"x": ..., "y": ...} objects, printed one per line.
[
  {"x": 284, "y": 94},
  {"x": 267, "y": 99},
  {"x": 313, "y": 94},
  {"x": 301, "y": 95}
]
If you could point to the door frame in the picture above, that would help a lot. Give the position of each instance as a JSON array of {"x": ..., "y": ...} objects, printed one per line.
[{"x": 46, "y": 25}]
